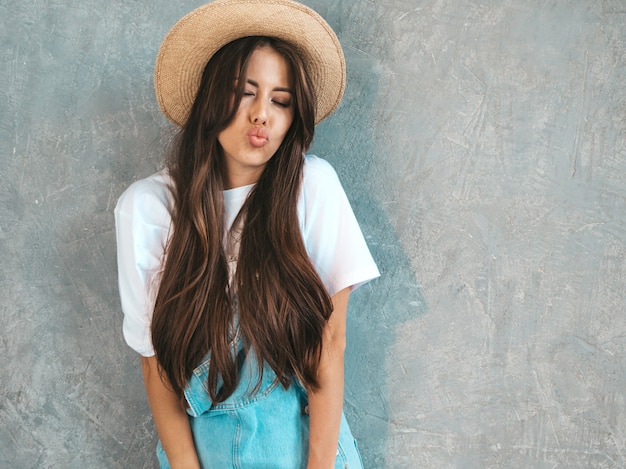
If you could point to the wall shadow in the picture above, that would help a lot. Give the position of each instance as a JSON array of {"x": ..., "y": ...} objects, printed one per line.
[{"x": 380, "y": 307}]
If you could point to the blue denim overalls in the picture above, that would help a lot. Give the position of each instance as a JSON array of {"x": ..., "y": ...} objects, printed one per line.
[{"x": 267, "y": 429}]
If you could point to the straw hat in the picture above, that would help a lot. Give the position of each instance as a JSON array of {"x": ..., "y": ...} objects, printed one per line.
[{"x": 194, "y": 39}]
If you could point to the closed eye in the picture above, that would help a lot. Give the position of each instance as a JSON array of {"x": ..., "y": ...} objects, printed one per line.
[{"x": 282, "y": 103}]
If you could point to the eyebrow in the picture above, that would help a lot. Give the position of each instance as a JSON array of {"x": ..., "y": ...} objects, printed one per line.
[{"x": 279, "y": 88}]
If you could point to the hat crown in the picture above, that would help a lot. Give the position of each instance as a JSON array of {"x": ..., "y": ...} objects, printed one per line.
[{"x": 194, "y": 39}]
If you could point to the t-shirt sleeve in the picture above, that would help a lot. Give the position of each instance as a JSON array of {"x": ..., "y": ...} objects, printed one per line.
[
  {"x": 142, "y": 223},
  {"x": 333, "y": 238}
]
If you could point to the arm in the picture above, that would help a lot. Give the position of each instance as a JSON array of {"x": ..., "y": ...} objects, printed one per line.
[
  {"x": 170, "y": 419},
  {"x": 326, "y": 404}
]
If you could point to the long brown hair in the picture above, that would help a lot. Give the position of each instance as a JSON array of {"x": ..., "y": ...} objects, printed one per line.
[{"x": 282, "y": 303}]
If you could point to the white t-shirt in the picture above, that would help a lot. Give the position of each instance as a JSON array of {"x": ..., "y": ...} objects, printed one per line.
[{"x": 331, "y": 234}]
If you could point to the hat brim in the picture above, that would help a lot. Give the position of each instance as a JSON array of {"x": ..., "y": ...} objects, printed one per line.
[{"x": 194, "y": 39}]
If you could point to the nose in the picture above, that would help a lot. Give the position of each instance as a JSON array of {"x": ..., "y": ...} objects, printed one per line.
[{"x": 259, "y": 112}]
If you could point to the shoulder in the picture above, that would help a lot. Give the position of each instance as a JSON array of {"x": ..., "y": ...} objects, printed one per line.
[
  {"x": 148, "y": 200},
  {"x": 314, "y": 166},
  {"x": 330, "y": 230},
  {"x": 319, "y": 173},
  {"x": 321, "y": 191}
]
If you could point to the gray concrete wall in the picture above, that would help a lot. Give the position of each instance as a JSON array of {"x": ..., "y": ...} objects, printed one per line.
[{"x": 483, "y": 144}]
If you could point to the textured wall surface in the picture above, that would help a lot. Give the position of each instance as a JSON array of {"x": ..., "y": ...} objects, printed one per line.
[{"x": 483, "y": 144}]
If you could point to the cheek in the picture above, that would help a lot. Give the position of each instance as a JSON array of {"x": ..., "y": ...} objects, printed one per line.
[
  {"x": 288, "y": 121},
  {"x": 224, "y": 138},
  {"x": 231, "y": 130}
]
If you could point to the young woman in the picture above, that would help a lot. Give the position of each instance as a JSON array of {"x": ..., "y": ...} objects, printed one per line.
[{"x": 236, "y": 262}]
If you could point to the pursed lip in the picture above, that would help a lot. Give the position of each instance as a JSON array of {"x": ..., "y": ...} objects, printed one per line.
[
  {"x": 258, "y": 137},
  {"x": 258, "y": 132}
]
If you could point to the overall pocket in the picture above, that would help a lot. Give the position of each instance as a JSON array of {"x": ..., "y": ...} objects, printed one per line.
[{"x": 247, "y": 392}]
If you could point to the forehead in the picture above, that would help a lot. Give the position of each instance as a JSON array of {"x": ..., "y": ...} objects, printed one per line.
[{"x": 267, "y": 65}]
